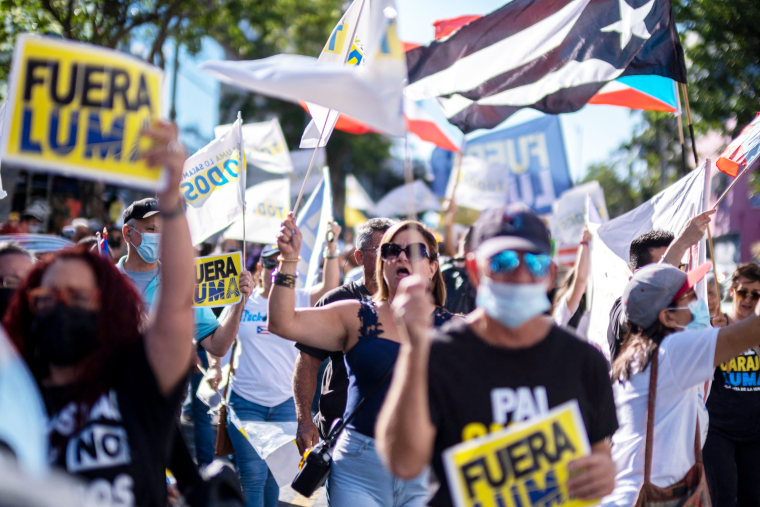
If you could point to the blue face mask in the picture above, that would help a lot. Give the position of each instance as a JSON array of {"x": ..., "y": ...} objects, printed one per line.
[
  {"x": 149, "y": 247},
  {"x": 512, "y": 304},
  {"x": 700, "y": 315}
]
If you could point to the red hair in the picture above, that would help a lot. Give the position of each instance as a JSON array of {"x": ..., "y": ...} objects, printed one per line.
[{"x": 118, "y": 325}]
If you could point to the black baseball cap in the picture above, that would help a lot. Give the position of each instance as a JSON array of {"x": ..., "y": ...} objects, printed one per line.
[
  {"x": 512, "y": 227},
  {"x": 141, "y": 209}
]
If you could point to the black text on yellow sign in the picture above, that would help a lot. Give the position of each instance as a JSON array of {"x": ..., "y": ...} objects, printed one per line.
[
  {"x": 217, "y": 280},
  {"x": 519, "y": 466},
  {"x": 79, "y": 109}
]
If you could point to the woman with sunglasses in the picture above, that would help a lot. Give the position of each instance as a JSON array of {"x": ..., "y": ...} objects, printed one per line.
[
  {"x": 367, "y": 333},
  {"x": 112, "y": 383},
  {"x": 733, "y": 440},
  {"x": 670, "y": 327}
]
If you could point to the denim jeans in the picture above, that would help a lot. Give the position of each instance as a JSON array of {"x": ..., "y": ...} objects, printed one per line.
[
  {"x": 359, "y": 479},
  {"x": 259, "y": 486},
  {"x": 204, "y": 435}
]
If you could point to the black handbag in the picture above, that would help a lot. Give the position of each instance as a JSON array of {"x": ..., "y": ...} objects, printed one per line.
[{"x": 315, "y": 466}]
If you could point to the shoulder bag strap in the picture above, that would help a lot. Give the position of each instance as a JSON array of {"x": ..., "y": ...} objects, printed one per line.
[{"x": 650, "y": 415}]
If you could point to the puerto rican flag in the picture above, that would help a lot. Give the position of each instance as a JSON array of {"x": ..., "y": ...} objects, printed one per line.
[{"x": 743, "y": 151}]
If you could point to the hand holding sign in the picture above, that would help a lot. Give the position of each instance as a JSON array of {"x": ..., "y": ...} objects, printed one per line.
[
  {"x": 289, "y": 238},
  {"x": 246, "y": 285},
  {"x": 592, "y": 477}
]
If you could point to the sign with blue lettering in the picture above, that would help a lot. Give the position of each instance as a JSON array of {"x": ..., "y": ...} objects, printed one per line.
[
  {"x": 529, "y": 159},
  {"x": 78, "y": 109},
  {"x": 217, "y": 280}
]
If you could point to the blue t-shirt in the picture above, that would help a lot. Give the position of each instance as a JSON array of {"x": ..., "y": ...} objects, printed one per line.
[{"x": 205, "y": 320}]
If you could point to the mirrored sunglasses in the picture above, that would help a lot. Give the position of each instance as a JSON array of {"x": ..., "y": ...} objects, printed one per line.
[{"x": 507, "y": 261}]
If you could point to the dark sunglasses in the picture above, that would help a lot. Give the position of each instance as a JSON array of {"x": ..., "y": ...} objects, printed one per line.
[
  {"x": 507, "y": 261},
  {"x": 744, "y": 293},
  {"x": 390, "y": 251}
]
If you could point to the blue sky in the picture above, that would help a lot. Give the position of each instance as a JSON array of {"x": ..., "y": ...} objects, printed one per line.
[{"x": 591, "y": 134}]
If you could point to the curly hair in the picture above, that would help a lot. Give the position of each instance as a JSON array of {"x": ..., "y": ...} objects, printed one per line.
[
  {"x": 118, "y": 323},
  {"x": 439, "y": 288},
  {"x": 748, "y": 270}
]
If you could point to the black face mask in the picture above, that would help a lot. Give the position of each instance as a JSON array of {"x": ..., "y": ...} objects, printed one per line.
[
  {"x": 66, "y": 335},
  {"x": 5, "y": 298}
]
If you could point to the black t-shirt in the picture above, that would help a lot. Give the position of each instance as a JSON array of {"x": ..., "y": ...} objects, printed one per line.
[
  {"x": 465, "y": 372},
  {"x": 332, "y": 400},
  {"x": 734, "y": 401},
  {"x": 121, "y": 446},
  {"x": 460, "y": 294}
]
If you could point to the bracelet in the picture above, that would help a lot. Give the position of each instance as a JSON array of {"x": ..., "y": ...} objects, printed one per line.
[
  {"x": 284, "y": 279},
  {"x": 584, "y": 243},
  {"x": 178, "y": 210},
  {"x": 327, "y": 255},
  {"x": 280, "y": 258}
]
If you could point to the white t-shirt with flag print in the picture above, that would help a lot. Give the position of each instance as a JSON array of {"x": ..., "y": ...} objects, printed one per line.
[{"x": 264, "y": 361}]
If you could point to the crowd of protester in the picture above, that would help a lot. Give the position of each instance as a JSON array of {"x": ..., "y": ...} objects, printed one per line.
[{"x": 423, "y": 351}]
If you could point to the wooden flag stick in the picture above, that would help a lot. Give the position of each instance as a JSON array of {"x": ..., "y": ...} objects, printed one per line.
[
  {"x": 681, "y": 139},
  {"x": 745, "y": 170},
  {"x": 714, "y": 266},
  {"x": 690, "y": 123}
]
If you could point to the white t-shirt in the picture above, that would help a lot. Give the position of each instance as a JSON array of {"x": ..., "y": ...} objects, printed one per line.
[
  {"x": 562, "y": 315},
  {"x": 685, "y": 363},
  {"x": 264, "y": 361}
]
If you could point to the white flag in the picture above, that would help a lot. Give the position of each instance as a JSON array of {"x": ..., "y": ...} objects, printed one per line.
[
  {"x": 356, "y": 196},
  {"x": 339, "y": 49},
  {"x": 211, "y": 185},
  {"x": 481, "y": 185},
  {"x": 415, "y": 197},
  {"x": 267, "y": 205},
  {"x": 264, "y": 146},
  {"x": 569, "y": 211},
  {"x": 669, "y": 210},
  {"x": 371, "y": 94},
  {"x": 312, "y": 222}
]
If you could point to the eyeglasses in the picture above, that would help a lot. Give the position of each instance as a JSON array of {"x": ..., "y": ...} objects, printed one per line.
[
  {"x": 744, "y": 293},
  {"x": 507, "y": 261},
  {"x": 43, "y": 300},
  {"x": 390, "y": 251},
  {"x": 269, "y": 263},
  {"x": 10, "y": 282}
]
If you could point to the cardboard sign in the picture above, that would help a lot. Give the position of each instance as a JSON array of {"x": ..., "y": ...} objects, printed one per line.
[
  {"x": 217, "y": 280},
  {"x": 77, "y": 109},
  {"x": 522, "y": 465}
]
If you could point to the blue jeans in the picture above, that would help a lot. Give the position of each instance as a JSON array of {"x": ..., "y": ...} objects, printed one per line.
[
  {"x": 359, "y": 479},
  {"x": 259, "y": 486},
  {"x": 203, "y": 432}
]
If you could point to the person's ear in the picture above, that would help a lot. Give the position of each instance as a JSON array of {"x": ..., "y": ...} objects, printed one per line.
[
  {"x": 667, "y": 319},
  {"x": 473, "y": 271},
  {"x": 359, "y": 257}
]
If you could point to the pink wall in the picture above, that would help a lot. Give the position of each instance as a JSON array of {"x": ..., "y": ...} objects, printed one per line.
[{"x": 737, "y": 215}]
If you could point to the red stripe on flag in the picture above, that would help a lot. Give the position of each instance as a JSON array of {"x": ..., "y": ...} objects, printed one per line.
[
  {"x": 429, "y": 131},
  {"x": 444, "y": 27},
  {"x": 631, "y": 99}
]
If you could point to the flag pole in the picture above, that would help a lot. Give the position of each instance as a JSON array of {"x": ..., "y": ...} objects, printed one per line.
[
  {"x": 690, "y": 122},
  {"x": 725, "y": 193},
  {"x": 681, "y": 139},
  {"x": 243, "y": 170},
  {"x": 327, "y": 117}
]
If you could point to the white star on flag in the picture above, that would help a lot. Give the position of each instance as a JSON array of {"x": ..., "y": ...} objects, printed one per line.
[{"x": 631, "y": 22}]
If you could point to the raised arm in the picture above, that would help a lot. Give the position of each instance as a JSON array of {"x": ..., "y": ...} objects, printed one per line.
[
  {"x": 326, "y": 327},
  {"x": 404, "y": 431},
  {"x": 580, "y": 280},
  {"x": 738, "y": 337},
  {"x": 692, "y": 233},
  {"x": 331, "y": 272},
  {"x": 221, "y": 340},
  {"x": 169, "y": 336}
]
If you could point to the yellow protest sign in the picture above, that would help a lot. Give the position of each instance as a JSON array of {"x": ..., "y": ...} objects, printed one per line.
[
  {"x": 77, "y": 109},
  {"x": 519, "y": 466},
  {"x": 217, "y": 280}
]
